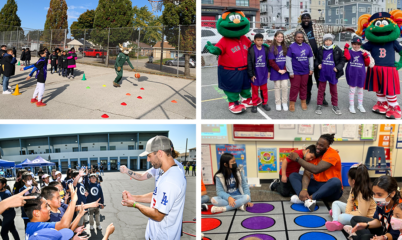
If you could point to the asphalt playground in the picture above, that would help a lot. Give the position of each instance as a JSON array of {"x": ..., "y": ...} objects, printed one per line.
[
  {"x": 149, "y": 97},
  {"x": 129, "y": 222}
]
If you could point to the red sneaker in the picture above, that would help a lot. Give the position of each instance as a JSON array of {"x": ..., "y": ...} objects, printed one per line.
[
  {"x": 236, "y": 108},
  {"x": 34, "y": 100},
  {"x": 380, "y": 107},
  {"x": 249, "y": 102},
  {"x": 393, "y": 112},
  {"x": 40, "y": 104}
]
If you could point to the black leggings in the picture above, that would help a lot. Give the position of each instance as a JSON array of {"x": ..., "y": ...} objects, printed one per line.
[
  {"x": 285, "y": 189},
  {"x": 71, "y": 71},
  {"x": 365, "y": 234},
  {"x": 9, "y": 226}
]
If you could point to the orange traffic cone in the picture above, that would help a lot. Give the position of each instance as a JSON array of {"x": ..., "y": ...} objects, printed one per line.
[{"x": 17, "y": 91}]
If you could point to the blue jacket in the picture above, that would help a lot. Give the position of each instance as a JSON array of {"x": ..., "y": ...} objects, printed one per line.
[
  {"x": 221, "y": 188},
  {"x": 94, "y": 192}
]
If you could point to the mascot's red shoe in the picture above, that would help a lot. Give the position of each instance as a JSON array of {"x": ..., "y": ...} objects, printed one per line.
[
  {"x": 236, "y": 108},
  {"x": 380, "y": 107},
  {"x": 394, "y": 112}
]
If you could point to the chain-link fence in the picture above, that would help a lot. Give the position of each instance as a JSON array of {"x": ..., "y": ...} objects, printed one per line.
[
  {"x": 155, "y": 49},
  {"x": 209, "y": 33}
]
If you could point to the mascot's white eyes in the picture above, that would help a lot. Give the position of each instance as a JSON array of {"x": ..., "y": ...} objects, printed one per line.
[
  {"x": 384, "y": 22},
  {"x": 378, "y": 23},
  {"x": 233, "y": 17}
]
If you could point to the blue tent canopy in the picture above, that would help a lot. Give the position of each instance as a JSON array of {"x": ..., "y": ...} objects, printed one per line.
[
  {"x": 24, "y": 162},
  {"x": 38, "y": 162},
  {"x": 7, "y": 164}
]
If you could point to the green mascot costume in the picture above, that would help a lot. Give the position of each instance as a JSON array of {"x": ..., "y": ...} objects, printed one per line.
[
  {"x": 382, "y": 30},
  {"x": 232, "y": 50},
  {"x": 120, "y": 60}
]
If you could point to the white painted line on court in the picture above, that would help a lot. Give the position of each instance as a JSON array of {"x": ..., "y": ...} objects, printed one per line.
[
  {"x": 263, "y": 113},
  {"x": 209, "y": 85}
]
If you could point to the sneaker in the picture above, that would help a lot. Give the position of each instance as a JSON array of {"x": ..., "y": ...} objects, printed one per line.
[
  {"x": 91, "y": 227},
  {"x": 380, "y": 107},
  {"x": 334, "y": 226},
  {"x": 278, "y": 107},
  {"x": 352, "y": 109},
  {"x": 216, "y": 209},
  {"x": 348, "y": 229},
  {"x": 73, "y": 78},
  {"x": 242, "y": 208},
  {"x": 249, "y": 102},
  {"x": 272, "y": 186},
  {"x": 325, "y": 103},
  {"x": 204, "y": 207},
  {"x": 295, "y": 199},
  {"x": 285, "y": 107},
  {"x": 6, "y": 92},
  {"x": 40, "y": 104},
  {"x": 361, "y": 108},
  {"x": 393, "y": 112},
  {"x": 34, "y": 100},
  {"x": 310, "y": 204},
  {"x": 99, "y": 227},
  {"x": 336, "y": 110},
  {"x": 318, "y": 109},
  {"x": 236, "y": 108},
  {"x": 266, "y": 107},
  {"x": 254, "y": 109},
  {"x": 10, "y": 89}
]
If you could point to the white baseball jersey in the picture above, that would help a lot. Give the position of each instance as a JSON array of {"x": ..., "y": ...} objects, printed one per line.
[
  {"x": 168, "y": 197},
  {"x": 157, "y": 172}
]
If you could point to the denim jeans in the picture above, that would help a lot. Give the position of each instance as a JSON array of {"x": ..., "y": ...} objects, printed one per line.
[
  {"x": 240, "y": 200},
  {"x": 5, "y": 83},
  {"x": 204, "y": 199},
  {"x": 338, "y": 213},
  {"x": 65, "y": 71}
]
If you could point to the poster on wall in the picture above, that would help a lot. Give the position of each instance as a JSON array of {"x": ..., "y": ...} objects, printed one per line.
[
  {"x": 384, "y": 141},
  {"x": 399, "y": 137},
  {"x": 328, "y": 128},
  {"x": 387, "y": 127},
  {"x": 283, "y": 154},
  {"x": 307, "y": 129},
  {"x": 206, "y": 163},
  {"x": 267, "y": 160},
  {"x": 238, "y": 151}
]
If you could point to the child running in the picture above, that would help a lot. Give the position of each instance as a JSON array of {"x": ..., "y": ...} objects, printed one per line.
[
  {"x": 72, "y": 56},
  {"x": 257, "y": 69},
  {"x": 8, "y": 215},
  {"x": 40, "y": 67},
  {"x": 357, "y": 59},
  {"x": 299, "y": 64},
  {"x": 330, "y": 61},
  {"x": 277, "y": 61},
  {"x": 360, "y": 201}
]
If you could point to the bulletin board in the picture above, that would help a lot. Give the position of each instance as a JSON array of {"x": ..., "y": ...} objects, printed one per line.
[{"x": 303, "y": 132}]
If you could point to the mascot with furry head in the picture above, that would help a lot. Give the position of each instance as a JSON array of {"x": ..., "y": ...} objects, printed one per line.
[
  {"x": 382, "y": 30},
  {"x": 118, "y": 65}
]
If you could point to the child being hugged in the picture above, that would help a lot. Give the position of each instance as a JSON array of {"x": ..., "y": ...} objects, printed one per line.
[
  {"x": 71, "y": 57},
  {"x": 277, "y": 61},
  {"x": 360, "y": 201},
  {"x": 330, "y": 61},
  {"x": 357, "y": 59},
  {"x": 257, "y": 69}
]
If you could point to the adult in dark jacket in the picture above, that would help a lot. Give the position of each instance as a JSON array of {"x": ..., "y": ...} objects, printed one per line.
[
  {"x": 14, "y": 51},
  {"x": 22, "y": 58},
  {"x": 8, "y": 69},
  {"x": 27, "y": 57},
  {"x": 2, "y": 51}
]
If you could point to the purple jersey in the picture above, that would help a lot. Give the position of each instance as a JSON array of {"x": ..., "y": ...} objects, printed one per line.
[
  {"x": 260, "y": 68},
  {"x": 300, "y": 56},
  {"x": 383, "y": 53},
  {"x": 327, "y": 72},
  {"x": 280, "y": 60},
  {"x": 355, "y": 70}
]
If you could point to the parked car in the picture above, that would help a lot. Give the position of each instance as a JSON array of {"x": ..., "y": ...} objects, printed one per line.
[
  {"x": 254, "y": 31},
  {"x": 95, "y": 53},
  {"x": 271, "y": 31},
  {"x": 173, "y": 62},
  {"x": 211, "y": 35}
]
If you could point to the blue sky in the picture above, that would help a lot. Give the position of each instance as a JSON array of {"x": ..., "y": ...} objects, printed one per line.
[
  {"x": 177, "y": 132},
  {"x": 33, "y": 13}
]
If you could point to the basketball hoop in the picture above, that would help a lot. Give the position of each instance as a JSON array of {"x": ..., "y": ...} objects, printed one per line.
[{"x": 156, "y": 5}]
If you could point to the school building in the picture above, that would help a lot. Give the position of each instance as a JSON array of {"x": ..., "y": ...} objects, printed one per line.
[{"x": 112, "y": 149}]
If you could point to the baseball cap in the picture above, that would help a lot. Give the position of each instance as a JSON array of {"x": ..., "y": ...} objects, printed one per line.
[
  {"x": 155, "y": 144},
  {"x": 52, "y": 234},
  {"x": 58, "y": 172},
  {"x": 45, "y": 176},
  {"x": 356, "y": 39}
]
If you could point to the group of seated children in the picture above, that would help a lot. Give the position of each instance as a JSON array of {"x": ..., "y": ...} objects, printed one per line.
[{"x": 57, "y": 204}]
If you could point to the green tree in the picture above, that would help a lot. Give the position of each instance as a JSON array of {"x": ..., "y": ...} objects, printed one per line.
[
  {"x": 56, "y": 21},
  {"x": 153, "y": 33},
  {"x": 84, "y": 21},
  {"x": 182, "y": 14},
  {"x": 150, "y": 26},
  {"x": 9, "y": 20},
  {"x": 113, "y": 14}
]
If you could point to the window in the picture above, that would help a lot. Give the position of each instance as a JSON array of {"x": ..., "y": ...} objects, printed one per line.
[
  {"x": 48, "y": 151},
  {"x": 336, "y": 2},
  {"x": 362, "y": 9},
  {"x": 207, "y": 2},
  {"x": 242, "y": 3},
  {"x": 75, "y": 149},
  {"x": 337, "y": 11},
  {"x": 369, "y": 10},
  {"x": 22, "y": 152},
  {"x": 329, "y": 13},
  {"x": 141, "y": 147},
  {"x": 207, "y": 33},
  {"x": 84, "y": 149},
  {"x": 329, "y": 2},
  {"x": 112, "y": 148},
  {"x": 353, "y": 20},
  {"x": 305, "y": 5},
  {"x": 301, "y": 5},
  {"x": 329, "y": 20},
  {"x": 319, "y": 2},
  {"x": 353, "y": 9},
  {"x": 31, "y": 152},
  {"x": 57, "y": 150},
  {"x": 103, "y": 148},
  {"x": 130, "y": 147}
]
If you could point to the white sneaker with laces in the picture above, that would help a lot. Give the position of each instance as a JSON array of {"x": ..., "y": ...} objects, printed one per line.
[
  {"x": 295, "y": 199},
  {"x": 6, "y": 92},
  {"x": 361, "y": 108},
  {"x": 285, "y": 107},
  {"x": 99, "y": 227},
  {"x": 242, "y": 208},
  {"x": 216, "y": 209},
  {"x": 278, "y": 107},
  {"x": 352, "y": 109},
  {"x": 310, "y": 204}
]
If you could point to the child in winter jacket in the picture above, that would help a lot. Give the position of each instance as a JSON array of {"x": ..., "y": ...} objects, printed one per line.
[{"x": 72, "y": 56}]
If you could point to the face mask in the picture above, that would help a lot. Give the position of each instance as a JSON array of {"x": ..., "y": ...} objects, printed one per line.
[
  {"x": 381, "y": 202},
  {"x": 234, "y": 166},
  {"x": 29, "y": 182},
  {"x": 396, "y": 224}
]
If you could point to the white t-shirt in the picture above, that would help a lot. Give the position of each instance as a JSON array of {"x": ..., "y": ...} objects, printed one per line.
[
  {"x": 168, "y": 197},
  {"x": 157, "y": 172}
]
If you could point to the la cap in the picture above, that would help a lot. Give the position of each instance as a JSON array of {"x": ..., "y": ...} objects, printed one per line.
[{"x": 157, "y": 143}]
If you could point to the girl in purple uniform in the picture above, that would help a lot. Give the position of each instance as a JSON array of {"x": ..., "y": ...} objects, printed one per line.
[{"x": 330, "y": 61}]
